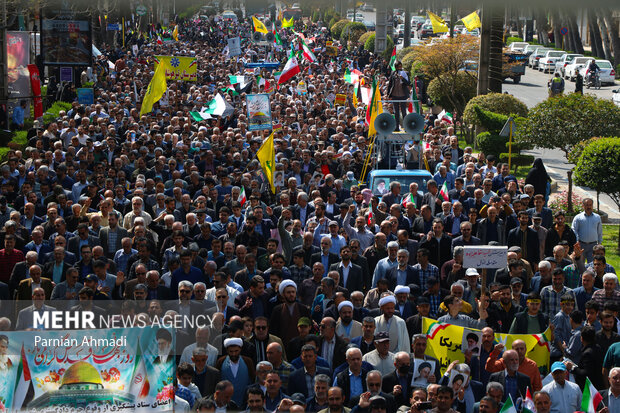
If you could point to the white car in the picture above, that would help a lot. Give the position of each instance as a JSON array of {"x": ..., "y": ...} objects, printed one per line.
[
  {"x": 615, "y": 97},
  {"x": 547, "y": 62},
  {"x": 607, "y": 73},
  {"x": 564, "y": 61},
  {"x": 400, "y": 30},
  {"x": 517, "y": 46},
  {"x": 571, "y": 70},
  {"x": 536, "y": 56}
]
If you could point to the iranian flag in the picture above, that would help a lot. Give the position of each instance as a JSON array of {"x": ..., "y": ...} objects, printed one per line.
[
  {"x": 306, "y": 52},
  {"x": 24, "y": 390},
  {"x": 352, "y": 76},
  {"x": 393, "y": 59},
  {"x": 528, "y": 403},
  {"x": 443, "y": 194},
  {"x": 139, "y": 382},
  {"x": 369, "y": 220},
  {"x": 159, "y": 41},
  {"x": 409, "y": 200},
  {"x": 445, "y": 116},
  {"x": 290, "y": 70},
  {"x": 242, "y": 198},
  {"x": 508, "y": 406},
  {"x": 591, "y": 398}
]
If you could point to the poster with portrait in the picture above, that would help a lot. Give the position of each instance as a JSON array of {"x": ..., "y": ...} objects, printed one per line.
[
  {"x": 259, "y": 111},
  {"x": 472, "y": 339},
  {"x": 457, "y": 380},
  {"x": 422, "y": 370},
  {"x": 18, "y": 58}
]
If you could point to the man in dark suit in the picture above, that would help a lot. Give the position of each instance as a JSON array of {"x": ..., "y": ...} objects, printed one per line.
[
  {"x": 24, "y": 289},
  {"x": 511, "y": 361},
  {"x": 373, "y": 384},
  {"x": 431, "y": 197},
  {"x": 254, "y": 302},
  {"x": 308, "y": 248},
  {"x": 343, "y": 379},
  {"x": 221, "y": 300},
  {"x": 403, "y": 274},
  {"x": 614, "y": 387},
  {"x": 325, "y": 257},
  {"x": 590, "y": 362},
  {"x": 466, "y": 237},
  {"x": 20, "y": 270},
  {"x": 516, "y": 235},
  {"x": 297, "y": 379},
  {"x": 29, "y": 220},
  {"x": 438, "y": 243},
  {"x": 206, "y": 377},
  {"x": 335, "y": 352},
  {"x": 401, "y": 376},
  {"x": 57, "y": 261},
  {"x": 302, "y": 210},
  {"x": 351, "y": 279},
  {"x": 104, "y": 235},
  {"x": 38, "y": 245},
  {"x": 74, "y": 244}
]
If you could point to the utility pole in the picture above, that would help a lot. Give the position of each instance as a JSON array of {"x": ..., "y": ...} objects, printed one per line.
[
  {"x": 452, "y": 17},
  {"x": 491, "y": 59},
  {"x": 407, "y": 31}
]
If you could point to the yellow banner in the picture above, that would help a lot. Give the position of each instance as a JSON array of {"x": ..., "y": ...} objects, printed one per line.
[
  {"x": 447, "y": 342},
  {"x": 472, "y": 21},
  {"x": 439, "y": 25},
  {"x": 179, "y": 67}
]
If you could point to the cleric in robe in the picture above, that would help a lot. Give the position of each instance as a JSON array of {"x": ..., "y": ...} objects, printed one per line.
[{"x": 393, "y": 325}]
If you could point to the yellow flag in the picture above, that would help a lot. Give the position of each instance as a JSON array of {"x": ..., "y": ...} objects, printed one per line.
[
  {"x": 175, "y": 33},
  {"x": 287, "y": 23},
  {"x": 266, "y": 155},
  {"x": 375, "y": 109},
  {"x": 259, "y": 26},
  {"x": 439, "y": 25},
  {"x": 472, "y": 21},
  {"x": 156, "y": 89}
]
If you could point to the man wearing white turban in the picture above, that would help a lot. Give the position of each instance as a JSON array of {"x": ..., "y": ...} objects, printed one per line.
[
  {"x": 346, "y": 327},
  {"x": 392, "y": 324},
  {"x": 236, "y": 368},
  {"x": 285, "y": 316}
]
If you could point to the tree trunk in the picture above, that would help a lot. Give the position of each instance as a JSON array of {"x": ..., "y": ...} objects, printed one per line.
[
  {"x": 574, "y": 32},
  {"x": 557, "y": 25},
  {"x": 595, "y": 34},
  {"x": 541, "y": 27},
  {"x": 612, "y": 30},
  {"x": 569, "y": 44},
  {"x": 605, "y": 36}
]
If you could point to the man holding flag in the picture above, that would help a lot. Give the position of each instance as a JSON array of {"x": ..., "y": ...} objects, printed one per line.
[
  {"x": 398, "y": 91},
  {"x": 266, "y": 155}
]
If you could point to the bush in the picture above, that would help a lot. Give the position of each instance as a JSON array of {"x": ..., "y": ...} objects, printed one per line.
[
  {"x": 491, "y": 144},
  {"x": 491, "y": 121},
  {"x": 447, "y": 90},
  {"x": 513, "y": 39},
  {"x": 494, "y": 102},
  {"x": 575, "y": 153},
  {"x": 560, "y": 203},
  {"x": 400, "y": 55},
  {"x": 337, "y": 28},
  {"x": 370, "y": 45},
  {"x": 408, "y": 60},
  {"x": 363, "y": 38},
  {"x": 52, "y": 113},
  {"x": 352, "y": 32},
  {"x": 517, "y": 159}
]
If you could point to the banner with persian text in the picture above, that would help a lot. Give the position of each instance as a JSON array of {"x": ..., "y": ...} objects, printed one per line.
[
  {"x": 179, "y": 67},
  {"x": 88, "y": 370}
]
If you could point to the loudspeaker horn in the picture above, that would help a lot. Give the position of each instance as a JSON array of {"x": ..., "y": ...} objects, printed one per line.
[
  {"x": 278, "y": 24},
  {"x": 269, "y": 37},
  {"x": 267, "y": 23},
  {"x": 257, "y": 37},
  {"x": 385, "y": 123},
  {"x": 413, "y": 123}
]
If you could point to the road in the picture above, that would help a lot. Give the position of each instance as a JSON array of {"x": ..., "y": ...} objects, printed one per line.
[{"x": 532, "y": 90}]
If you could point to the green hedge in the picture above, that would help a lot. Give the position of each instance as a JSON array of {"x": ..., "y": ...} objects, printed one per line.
[
  {"x": 338, "y": 27},
  {"x": 370, "y": 45},
  {"x": 52, "y": 113},
  {"x": 517, "y": 159},
  {"x": 493, "y": 102},
  {"x": 491, "y": 144},
  {"x": 513, "y": 39},
  {"x": 352, "y": 32}
]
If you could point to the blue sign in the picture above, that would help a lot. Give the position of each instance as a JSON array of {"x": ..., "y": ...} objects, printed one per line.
[
  {"x": 114, "y": 27},
  {"x": 564, "y": 31},
  {"x": 266, "y": 65},
  {"x": 66, "y": 74},
  {"x": 86, "y": 95}
]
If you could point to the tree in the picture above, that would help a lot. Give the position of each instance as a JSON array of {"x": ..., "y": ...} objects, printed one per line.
[
  {"x": 337, "y": 28},
  {"x": 597, "y": 168},
  {"x": 351, "y": 33},
  {"x": 563, "y": 121},
  {"x": 494, "y": 102},
  {"x": 452, "y": 93},
  {"x": 446, "y": 62}
]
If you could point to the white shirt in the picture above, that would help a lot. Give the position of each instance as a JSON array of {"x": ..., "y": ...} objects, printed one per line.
[
  {"x": 345, "y": 272},
  {"x": 232, "y": 294},
  {"x": 234, "y": 367}
]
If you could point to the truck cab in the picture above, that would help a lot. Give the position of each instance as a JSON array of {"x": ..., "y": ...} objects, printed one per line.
[{"x": 379, "y": 180}]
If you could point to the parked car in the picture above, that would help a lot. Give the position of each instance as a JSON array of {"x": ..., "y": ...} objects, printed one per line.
[
  {"x": 400, "y": 30},
  {"x": 571, "y": 70},
  {"x": 607, "y": 74},
  {"x": 426, "y": 31},
  {"x": 530, "y": 48},
  {"x": 536, "y": 56},
  {"x": 517, "y": 46},
  {"x": 547, "y": 62},
  {"x": 615, "y": 97},
  {"x": 563, "y": 61}
]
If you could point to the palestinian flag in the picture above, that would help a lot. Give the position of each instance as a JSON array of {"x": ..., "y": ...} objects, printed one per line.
[
  {"x": 352, "y": 76},
  {"x": 276, "y": 38},
  {"x": 236, "y": 79},
  {"x": 24, "y": 390},
  {"x": 508, "y": 406},
  {"x": 528, "y": 403},
  {"x": 591, "y": 398},
  {"x": 414, "y": 105},
  {"x": 393, "y": 59},
  {"x": 290, "y": 70},
  {"x": 243, "y": 87},
  {"x": 199, "y": 116},
  {"x": 242, "y": 198},
  {"x": 443, "y": 194},
  {"x": 409, "y": 200},
  {"x": 369, "y": 221}
]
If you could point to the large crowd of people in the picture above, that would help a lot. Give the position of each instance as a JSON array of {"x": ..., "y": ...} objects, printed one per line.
[{"x": 316, "y": 291}]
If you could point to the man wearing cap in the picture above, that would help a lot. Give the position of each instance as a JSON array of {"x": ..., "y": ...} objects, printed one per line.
[
  {"x": 392, "y": 324},
  {"x": 237, "y": 369},
  {"x": 381, "y": 358},
  {"x": 285, "y": 316},
  {"x": 565, "y": 395},
  {"x": 346, "y": 327}
]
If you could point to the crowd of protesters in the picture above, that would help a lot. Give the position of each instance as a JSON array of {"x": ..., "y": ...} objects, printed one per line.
[{"x": 316, "y": 292}]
